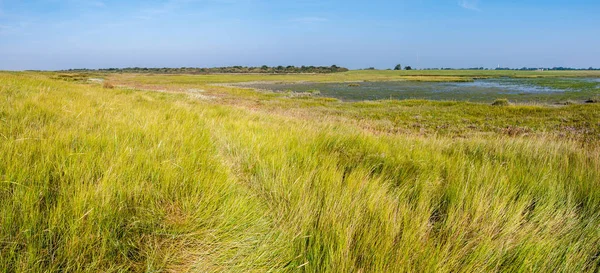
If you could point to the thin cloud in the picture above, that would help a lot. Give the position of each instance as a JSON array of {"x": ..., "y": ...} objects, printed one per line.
[
  {"x": 149, "y": 13},
  {"x": 172, "y": 6},
  {"x": 164, "y": 8},
  {"x": 470, "y": 4},
  {"x": 98, "y": 4},
  {"x": 82, "y": 3},
  {"x": 309, "y": 20},
  {"x": 14, "y": 28}
]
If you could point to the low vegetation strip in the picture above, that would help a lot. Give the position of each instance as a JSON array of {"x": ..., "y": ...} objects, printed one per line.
[
  {"x": 101, "y": 179},
  {"x": 457, "y": 119},
  {"x": 231, "y": 69}
]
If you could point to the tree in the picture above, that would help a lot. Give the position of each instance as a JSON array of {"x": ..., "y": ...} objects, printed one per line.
[
  {"x": 398, "y": 67},
  {"x": 408, "y": 68}
]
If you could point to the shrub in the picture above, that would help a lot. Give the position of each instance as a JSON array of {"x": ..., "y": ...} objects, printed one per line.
[
  {"x": 501, "y": 102},
  {"x": 595, "y": 99},
  {"x": 108, "y": 85}
]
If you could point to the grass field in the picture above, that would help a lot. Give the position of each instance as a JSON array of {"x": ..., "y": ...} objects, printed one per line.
[
  {"x": 351, "y": 76},
  {"x": 206, "y": 178}
]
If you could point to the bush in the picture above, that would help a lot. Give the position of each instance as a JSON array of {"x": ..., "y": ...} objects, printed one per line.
[
  {"x": 595, "y": 99},
  {"x": 501, "y": 102},
  {"x": 108, "y": 85}
]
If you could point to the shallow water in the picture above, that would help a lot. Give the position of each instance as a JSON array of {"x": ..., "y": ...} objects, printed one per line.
[
  {"x": 508, "y": 86},
  {"x": 590, "y": 79},
  {"x": 483, "y": 90}
]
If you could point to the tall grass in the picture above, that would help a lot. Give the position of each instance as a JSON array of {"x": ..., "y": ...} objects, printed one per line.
[{"x": 95, "y": 179}]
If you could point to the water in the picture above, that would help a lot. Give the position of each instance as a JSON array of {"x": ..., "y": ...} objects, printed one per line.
[
  {"x": 590, "y": 79},
  {"x": 507, "y": 86},
  {"x": 484, "y": 90}
]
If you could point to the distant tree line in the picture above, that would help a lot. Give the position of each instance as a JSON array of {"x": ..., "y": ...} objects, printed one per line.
[
  {"x": 560, "y": 68},
  {"x": 397, "y": 67},
  {"x": 449, "y": 68},
  {"x": 517, "y": 69},
  {"x": 229, "y": 69}
]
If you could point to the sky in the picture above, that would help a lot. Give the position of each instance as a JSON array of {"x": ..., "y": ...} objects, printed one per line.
[{"x": 63, "y": 34}]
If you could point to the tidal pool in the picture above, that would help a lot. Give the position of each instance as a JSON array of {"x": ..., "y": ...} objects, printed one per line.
[{"x": 481, "y": 90}]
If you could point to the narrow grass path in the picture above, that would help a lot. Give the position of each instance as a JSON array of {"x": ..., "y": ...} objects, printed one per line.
[{"x": 111, "y": 180}]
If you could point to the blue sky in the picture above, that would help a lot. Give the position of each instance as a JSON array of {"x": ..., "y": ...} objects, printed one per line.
[{"x": 60, "y": 34}]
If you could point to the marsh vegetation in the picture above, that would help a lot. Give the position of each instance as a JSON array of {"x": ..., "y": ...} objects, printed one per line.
[
  {"x": 131, "y": 179},
  {"x": 524, "y": 90}
]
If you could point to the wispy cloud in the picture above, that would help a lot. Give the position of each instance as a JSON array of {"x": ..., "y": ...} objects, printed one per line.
[
  {"x": 98, "y": 4},
  {"x": 80, "y": 3},
  {"x": 173, "y": 6},
  {"x": 163, "y": 8},
  {"x": 18, "y": 27},
  {"x": 309, "y": 19},
  {"x": 469, "y": 4}
]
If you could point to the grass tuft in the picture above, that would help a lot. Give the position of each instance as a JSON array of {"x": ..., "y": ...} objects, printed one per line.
[
  {"x": 107, "y": 85},
  {"x": 501, "y": 102}
]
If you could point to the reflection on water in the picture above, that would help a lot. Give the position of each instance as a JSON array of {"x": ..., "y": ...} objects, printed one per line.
[
  {"x": 483, "y": 90},
  {"x": 508, "y": 86}
]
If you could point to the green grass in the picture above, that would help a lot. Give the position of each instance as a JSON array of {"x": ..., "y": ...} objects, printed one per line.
[
  {"x": 430, "y": 118},
  {"x": 574, "y": 86},
  {"x": 351, "y": 76},
  {"x": 112, "y": 180}
]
